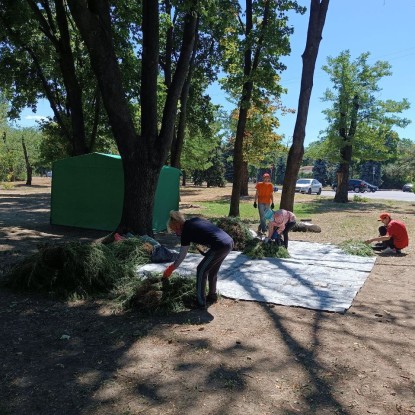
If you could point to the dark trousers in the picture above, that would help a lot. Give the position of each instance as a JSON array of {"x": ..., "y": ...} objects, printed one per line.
[
  {"x": 288, "y": 227},
  {"x": 207, "y": 270},
  {"x": 384, "y": 244}
]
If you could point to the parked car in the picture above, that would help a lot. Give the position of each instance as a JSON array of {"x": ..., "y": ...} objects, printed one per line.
[
  {"x": 408, "y": 187},
  {"x": 308, "y": 186},
  {"x": 357, "y": 185},
  {"x": 372, "y": 188}
]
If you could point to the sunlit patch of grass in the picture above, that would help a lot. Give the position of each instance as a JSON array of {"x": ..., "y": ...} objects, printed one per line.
[
  {"x": 358, "y": 198},
  {"x": 246, "y": 210}
]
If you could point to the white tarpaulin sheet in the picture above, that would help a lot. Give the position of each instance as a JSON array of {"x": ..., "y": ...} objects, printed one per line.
[{"x": 317, "y": 276}]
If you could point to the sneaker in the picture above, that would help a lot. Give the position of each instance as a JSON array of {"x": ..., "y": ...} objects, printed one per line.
[
  {"x": 211, "y": 298},
  {"x": 195, "y": 305},
  {"x": 389, "y": 250}
]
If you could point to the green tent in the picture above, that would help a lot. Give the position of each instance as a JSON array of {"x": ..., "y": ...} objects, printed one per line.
[{"x": 88, "y": 192}]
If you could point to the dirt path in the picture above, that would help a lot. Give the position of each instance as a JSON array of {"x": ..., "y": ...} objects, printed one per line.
[{"x": 238, "y": 358}]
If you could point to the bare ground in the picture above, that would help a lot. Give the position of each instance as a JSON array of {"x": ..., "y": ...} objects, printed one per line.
[{"x": 239, "y": 357}]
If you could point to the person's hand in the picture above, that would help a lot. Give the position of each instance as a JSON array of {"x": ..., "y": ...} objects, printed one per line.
[
  {"x": 168, "y": 271},
  {"x": 255, "y": 205},
  {"x": 272, "y": 205}
]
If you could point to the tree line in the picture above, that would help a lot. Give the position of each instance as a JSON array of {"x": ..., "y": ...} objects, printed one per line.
[{"x": 131, "y": 77}]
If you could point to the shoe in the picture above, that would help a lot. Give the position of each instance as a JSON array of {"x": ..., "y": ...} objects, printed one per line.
[
  {"x": 398, "y": 251},
  {"x": 211, "y": 299},
  {"x": 389, "y": 250},
  {"x": 195, "y": 305}
]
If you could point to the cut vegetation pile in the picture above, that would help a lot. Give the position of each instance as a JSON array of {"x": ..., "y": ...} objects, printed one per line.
[
  {"x": 77, "y": 269},
  {"x": 356, "y": 248},
  {"x": 257, "y": 249}
]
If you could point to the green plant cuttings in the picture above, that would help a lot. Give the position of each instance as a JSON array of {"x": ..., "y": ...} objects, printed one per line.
[
  {"x": 258, "y": 249},
  {"x": 356, "y": 248}
]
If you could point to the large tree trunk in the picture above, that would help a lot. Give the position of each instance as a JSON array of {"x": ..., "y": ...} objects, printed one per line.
[
  {"x": 342, "y": 191},
  {"x": 29, "y": 169},
  {"x": 142, "y": 156},
  {"x": 244, "y": 179},
  {"x": 178, "y": 137},
  {"x": 318, "y": 11},
  {"x": 238, "y": 160}
]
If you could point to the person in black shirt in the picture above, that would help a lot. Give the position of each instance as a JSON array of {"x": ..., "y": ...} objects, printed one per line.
[{"x": 200, "y": 231}]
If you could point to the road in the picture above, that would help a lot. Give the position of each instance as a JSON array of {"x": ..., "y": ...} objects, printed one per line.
[{"x": 380, "y": 194}]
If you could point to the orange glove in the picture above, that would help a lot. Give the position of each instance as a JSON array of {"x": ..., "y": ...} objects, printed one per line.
[{"x": 168, "y": 271}]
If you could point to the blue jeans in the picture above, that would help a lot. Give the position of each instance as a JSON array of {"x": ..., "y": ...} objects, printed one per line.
[
  {"x": 288, "y": 227},
  {"x": 262, "y": 207}
]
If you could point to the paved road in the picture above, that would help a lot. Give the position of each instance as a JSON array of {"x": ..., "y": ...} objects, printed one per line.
[{"x": 380, "y": 194}]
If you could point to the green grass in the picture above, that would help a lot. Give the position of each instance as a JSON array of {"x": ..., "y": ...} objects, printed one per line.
[{"x": 249, "y": 213}]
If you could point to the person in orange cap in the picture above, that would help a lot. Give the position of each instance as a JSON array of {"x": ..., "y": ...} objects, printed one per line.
[
  {"x": 393, "y": 235},
  {"x": 264, "y": 199}
]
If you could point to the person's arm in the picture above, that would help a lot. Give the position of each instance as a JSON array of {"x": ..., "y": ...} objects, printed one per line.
[
  {"x": 256, "y": 199},
  {"x": 182, "y": 255},
  {"x": 378, "y": 239}
]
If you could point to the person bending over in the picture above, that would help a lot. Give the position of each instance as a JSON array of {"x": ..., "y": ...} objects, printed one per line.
[
  {"x": 281, "y": 222},
  {"x": 200, "y": 231}
]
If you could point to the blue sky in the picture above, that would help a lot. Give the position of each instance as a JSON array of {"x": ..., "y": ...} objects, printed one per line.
[{"x": 385, "y": 28}]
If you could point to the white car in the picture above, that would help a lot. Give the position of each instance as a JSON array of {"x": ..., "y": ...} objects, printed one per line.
[{"x": 308, "y": 186}]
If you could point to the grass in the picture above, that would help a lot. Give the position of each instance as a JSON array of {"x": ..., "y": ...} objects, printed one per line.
[{"x": 247, "y": 211}]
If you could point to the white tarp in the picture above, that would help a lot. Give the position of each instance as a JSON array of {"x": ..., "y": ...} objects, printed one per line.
[{"x": 317, "y": 276}]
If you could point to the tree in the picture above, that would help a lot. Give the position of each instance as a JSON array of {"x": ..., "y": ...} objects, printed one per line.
[
  {"x": 144, "y": 152},
  {"x": 253, "y": 48},
  {"x": 358, "y": 121},
  {"x": 318, "y": 11}
]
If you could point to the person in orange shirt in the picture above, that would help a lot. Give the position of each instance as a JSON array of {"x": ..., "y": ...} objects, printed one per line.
[{"x": 264, "y": 199}]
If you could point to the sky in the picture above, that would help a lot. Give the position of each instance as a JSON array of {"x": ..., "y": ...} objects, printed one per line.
[{"x": 385, "y": 28}]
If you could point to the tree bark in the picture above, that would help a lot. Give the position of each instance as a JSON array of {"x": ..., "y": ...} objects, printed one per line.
[
  {"x": 342, "y": 191},
  {"x": 244, "y": 179},
  {"x": 318, "y": 11},
  {"x": 29, "y": 168},
  {"x": 178, "y": 137}
]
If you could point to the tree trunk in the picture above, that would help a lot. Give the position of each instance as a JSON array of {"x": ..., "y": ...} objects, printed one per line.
[
  {"x": 318, "y": 11},
  {"x": 237, "y": 161},
  {"x": 29, "y": 168},
  {"x": 244, "y": 179},
  {"x": 178, "y": 138},
  {"x": 342, "y": 191}
]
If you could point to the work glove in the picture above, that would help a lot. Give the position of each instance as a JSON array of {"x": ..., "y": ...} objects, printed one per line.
[
  {"x": 168, "y": 271},
  {"x": 272, "y": 205},
  {"x": 255, "y": 205}
]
